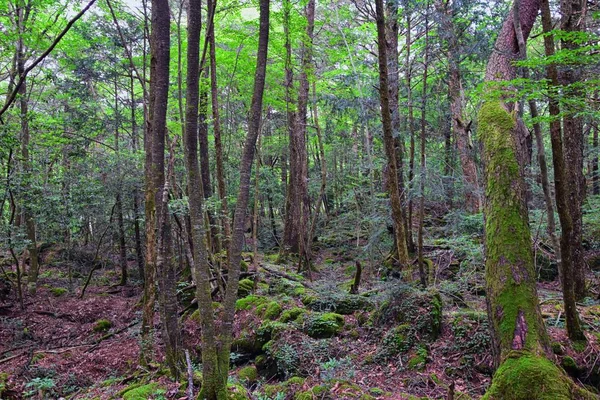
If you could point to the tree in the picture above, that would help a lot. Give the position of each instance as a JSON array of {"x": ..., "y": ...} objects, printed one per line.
[
  {"x": 460, "y": 126},
  {"x": 520, "y": 342},
  {"x": 390, "y": 151},
  {"x": 217, "y": 338},
  {"x": 562, "y": 185},
  {"x": 573, "y": 21},
  {"x": 296, "y": 229}
]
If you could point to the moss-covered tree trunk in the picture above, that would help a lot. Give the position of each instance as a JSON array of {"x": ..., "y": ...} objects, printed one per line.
[{"x": 520, "y": 341}]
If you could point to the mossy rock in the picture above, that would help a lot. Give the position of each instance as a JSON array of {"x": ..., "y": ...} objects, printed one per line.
[
  {"x": 317, "y": 392},
  {"x": 287, "y": 287},
  {"x": 570, "y": 366},
  {"x": 237, "y": 392},
  {"x": 246, "y": 287},
  {"x": 247, "y": 343},
  {"x": 58, "y": 291},
  {"x": 248, "y": 374},
  {"x": 396, "y": 340},
  {"x": 140, "y": 391},
  {"x": 324, "y": 325},
  {"x": 295, "y": 381},
  {"x": 405, "y": 305},
  {"x": 345, "y": 304},
  {"x": 523, "y": 376},
  {"x": 269, "y": 330},
  {"x": 270, "y": 310},
  {"x": 249, "y": 302},
  {"x": 102, "y": 325},
  {"x": 558, "y": 349},
  {"x": 291, "y": 314}
]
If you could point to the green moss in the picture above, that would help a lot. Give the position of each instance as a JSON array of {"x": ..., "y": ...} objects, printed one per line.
[
  {"x": 557, "y": 348},
  {"x": 569, "y": 363},
  {"x": 345, "y": 304},
  {"x": 236, "y": 392},
  {"x": 271, "y": 390},
  {"x": 295, "y": 381},
  {"x": 299, "y": 291},
  {"x": 579, "y": 346},
  {"x": 419, "y": 360},
  {"x": 291, "y": 314},
  {"x": 309, "y": 298},
  {"x": 509, "y": 257},
  {"x": 303, "y": 396},
  {"x": 268, "y": 330},
  {"x": 3, "y": 381},
  {"x": 324, "y": 325},
  {"x": 195, "y": 316},
  {"x": 376, "y": 391},
  {"x": 261, "y": 361},
  {"x": 58, "y": 291},
  {"x": 272, "y": 310},
  {"x": 102, "y": 325},
  {"x": 248, "y": 302},
  {"x": 523, "y": 376},
  {"x": 246, "y": 287},
  {"x": 317, "y": 392},
  {"x": 246, "y": 343},
  {"x": 248, "y": 374},
  {"x": 140, "y": 392}
]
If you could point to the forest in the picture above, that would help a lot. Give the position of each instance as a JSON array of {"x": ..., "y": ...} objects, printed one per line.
[{"x": 299, "y": 199}]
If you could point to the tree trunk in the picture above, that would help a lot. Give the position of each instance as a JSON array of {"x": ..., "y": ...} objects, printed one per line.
[
  {"x": 460, "y": 126},
  {"x": 390, "y": 151},
  {"x": 572, "y": 20},
  {"x": 155, "y": 149},
  {"x": 561, "y": 185},
  {"x": 296, "y": 219},
  {"x": 27, "y": 217},
  {"x": 595, "y": 149},
  {"x": 118, "y": 197},
  {"x": 422, "y": 273},
  {"x": 411, "y": 131},
  {"x": 220, "y": 172},
  {"x": 136, "y": 200},
  {"x": 216, "y": 349},
  {"x": 520, "y": 342}
]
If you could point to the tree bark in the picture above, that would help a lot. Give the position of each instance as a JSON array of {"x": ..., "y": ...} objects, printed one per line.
[
  {"x": 155, "y": 157},
  {"x": 297, "y": 210},
  {"x": 561, "y": 185},
  {"x": 520, "y": 342},
  {"x": 216, "y": 343},
  {"x": 390, "y": 151},
  {"x": 220, "y": 171},
  {"x": 422, "y": 273},
  {"x": 27, "y": 215},
  {"x": 572, "y": 20},
  {"x": 595, "y": 148},
  {"x": 460, "y": 126}
]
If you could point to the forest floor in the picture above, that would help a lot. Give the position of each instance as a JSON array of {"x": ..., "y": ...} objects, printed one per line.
[{"x": 295, "y": 338}]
